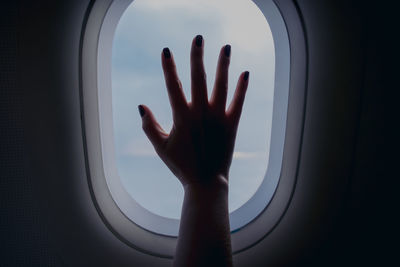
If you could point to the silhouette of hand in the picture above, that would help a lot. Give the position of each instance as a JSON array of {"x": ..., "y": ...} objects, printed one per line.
[{"x": 200, "y": 146}]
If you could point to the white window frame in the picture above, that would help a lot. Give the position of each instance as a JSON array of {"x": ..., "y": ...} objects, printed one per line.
[{"x": 135, "y": 225}]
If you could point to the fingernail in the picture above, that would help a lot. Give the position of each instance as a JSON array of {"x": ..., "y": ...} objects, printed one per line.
[
  {"x": 167, "y": 53},
  {"x": 141, "y": 110},
  {"x": 246, "y": 75},
  {"x": 227, "y": 50},
  {"x": 199, "y": 40}
]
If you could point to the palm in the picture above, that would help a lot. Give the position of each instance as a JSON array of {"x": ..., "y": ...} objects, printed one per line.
[{"x": 201, "y": 142}]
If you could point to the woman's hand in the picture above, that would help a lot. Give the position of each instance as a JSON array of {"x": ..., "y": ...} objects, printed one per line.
[{"x": 199, "y": 148}]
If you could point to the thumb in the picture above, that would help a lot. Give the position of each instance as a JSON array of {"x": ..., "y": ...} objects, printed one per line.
[{"x": 152, "y": 129}]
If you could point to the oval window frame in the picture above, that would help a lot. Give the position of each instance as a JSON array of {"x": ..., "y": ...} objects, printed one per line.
[{"x": 110, "y": 198}]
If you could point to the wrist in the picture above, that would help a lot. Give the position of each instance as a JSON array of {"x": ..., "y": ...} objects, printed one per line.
[
  {"x": 217, "y": 184},
  {"x": 207, "y": 198}
]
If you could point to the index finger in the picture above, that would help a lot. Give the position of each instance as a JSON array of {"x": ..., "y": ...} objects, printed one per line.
[
  {"x": 176, "y": 96},
  {"x": 235, "y": 108}
]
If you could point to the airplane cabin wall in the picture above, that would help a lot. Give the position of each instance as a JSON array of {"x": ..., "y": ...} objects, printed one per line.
[{"x": 340, "y": 212}]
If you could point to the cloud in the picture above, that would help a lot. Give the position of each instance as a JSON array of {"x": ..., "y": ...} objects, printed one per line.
[
  {"x": 142, "y": 153},
  {"x": 145, "y": 28},
  {"x": 246, "y": 155}
]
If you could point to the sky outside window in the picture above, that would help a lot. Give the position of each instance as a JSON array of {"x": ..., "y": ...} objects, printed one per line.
[{"x": 146, "y": 27}]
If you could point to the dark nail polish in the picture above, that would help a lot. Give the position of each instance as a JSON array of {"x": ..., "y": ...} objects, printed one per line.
[
  {"x": 246, "y": 76},
  {"x": 227, "y": 50},
  {"x": 199, "y": 40},
  {"x": 141, "y": 110},
  {"x": 167, "y": 53}
]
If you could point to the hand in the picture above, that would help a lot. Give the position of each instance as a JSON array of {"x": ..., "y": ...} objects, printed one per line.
[{"x": 199, "y": 148}]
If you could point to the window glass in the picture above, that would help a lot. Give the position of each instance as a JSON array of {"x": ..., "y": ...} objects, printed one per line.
[{"x": 146, "y": 27}]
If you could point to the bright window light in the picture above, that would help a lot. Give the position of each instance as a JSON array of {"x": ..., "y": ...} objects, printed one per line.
[{"x": 146, "y": 27}]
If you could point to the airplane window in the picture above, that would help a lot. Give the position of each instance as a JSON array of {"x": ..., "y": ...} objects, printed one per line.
[{"x": 143, "y": 30}]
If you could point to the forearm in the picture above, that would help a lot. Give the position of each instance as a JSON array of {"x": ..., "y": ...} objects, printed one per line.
[{"x": 204, "y": 234}]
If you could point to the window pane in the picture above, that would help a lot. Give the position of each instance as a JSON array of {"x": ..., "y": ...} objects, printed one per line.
[{"x": 148, "y": 26}]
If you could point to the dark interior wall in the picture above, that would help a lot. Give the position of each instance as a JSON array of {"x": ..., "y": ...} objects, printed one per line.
[
  {"x": 49, "y": 35},
  {"x": 368, "y": 225},
  {"x": 349, "y": 136},
  {"x": 342, "y": 208},
  {"x": 24, "y": 240},
  {"x": 47, "y": 216},
  {"x": 348, "y": 139},
  {"x": 30, "y": 40},
  {"x": 48, "y": 57}
]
